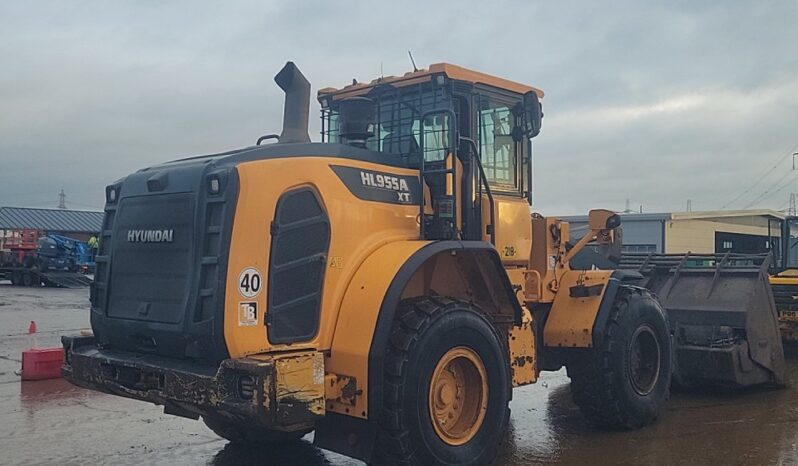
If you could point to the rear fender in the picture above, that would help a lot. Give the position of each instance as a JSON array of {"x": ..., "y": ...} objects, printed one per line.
[
  {"x": 358, "y": 318},
  {"x": 469, "y": 270}
]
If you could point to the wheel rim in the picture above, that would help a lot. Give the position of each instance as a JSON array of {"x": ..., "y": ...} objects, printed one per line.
[
  {"x": 458, "y": 396},
  {"x": 644, "y": 360}
]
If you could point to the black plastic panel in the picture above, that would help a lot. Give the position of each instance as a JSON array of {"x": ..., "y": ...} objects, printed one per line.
[
  {"x": 150, "y": 279},
  {"x": 300, "y": 243},
  {"x": 166, "y": 297}
]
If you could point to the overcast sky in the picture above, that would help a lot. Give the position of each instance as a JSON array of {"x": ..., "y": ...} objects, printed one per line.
[{"x": 658, "y": 102}]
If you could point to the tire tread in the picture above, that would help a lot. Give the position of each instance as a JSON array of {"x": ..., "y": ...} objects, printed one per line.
[
  {"x": 593, "y": 377},
  {"x": 413, "y": 317}
]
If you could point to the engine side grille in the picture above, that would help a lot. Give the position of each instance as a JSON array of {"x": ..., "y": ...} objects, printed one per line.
[{"x": 300, "y": 243}]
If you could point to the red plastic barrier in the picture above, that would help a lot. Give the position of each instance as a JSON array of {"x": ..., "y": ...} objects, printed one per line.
[{"x": 42, "y": 363}]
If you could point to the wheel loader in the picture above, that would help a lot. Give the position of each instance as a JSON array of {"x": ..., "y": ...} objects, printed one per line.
[
  {"x": 784, "y": 275},
  {"x": 386, "y": 288}
]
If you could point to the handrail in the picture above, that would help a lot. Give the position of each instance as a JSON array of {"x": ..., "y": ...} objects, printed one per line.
[
  {"x": 483, "y": 179},
  {"x": 268, "y": 136},
  {"x": 451, "y": 143}
]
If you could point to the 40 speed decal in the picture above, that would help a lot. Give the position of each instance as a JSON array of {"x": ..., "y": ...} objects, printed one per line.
[
  {"x": 250, "y": 282},
  {"x": 371, "y": 185}
]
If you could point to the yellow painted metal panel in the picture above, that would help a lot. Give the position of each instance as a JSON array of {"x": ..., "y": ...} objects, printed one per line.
[
  {"x": 358, "y": 228},
  {"x": 570, "y": 321},
  {"x": 513, "y": 229},
  {"x": 299, "y": 385},
  {"x": 523, "y": 357},
  {"x": 358, "y": 319}
]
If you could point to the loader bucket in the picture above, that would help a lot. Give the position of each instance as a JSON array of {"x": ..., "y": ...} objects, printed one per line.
[{"x": 722, "y": 316}]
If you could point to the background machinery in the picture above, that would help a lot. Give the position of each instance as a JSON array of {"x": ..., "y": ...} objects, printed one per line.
[
  {"x": 49, "y": 259},
  {"x": 768, "y": 308},
  {"x": 386, "y": 287},
  {"x": 784, "y": 276}
]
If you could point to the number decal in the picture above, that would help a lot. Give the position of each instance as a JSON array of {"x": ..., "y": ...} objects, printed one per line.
[
  {"x": 509, "y": 251},
  {"x": 249, "y": 283}
]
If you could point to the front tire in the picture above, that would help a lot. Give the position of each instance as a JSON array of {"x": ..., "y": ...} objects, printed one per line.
[
  {"x": 447, "y": 386},
  {"x": 623, "y": 383},
  {"x": 237, "y": 433}
]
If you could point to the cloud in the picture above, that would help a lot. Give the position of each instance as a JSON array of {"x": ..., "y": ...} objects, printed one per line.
[{"x": 658, "y": 102}]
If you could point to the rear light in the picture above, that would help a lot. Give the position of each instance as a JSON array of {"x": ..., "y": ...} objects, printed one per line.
[
  {"x": 214, "y": 185},
  {"x": 246, "y": 387}
]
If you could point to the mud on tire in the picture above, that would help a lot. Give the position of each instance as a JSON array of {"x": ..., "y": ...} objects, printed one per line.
[
  {"x": 425, "y": 332},
  {"x": 623, "y": 382}
]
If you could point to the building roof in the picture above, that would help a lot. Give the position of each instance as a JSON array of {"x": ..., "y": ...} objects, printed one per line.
[
  {"x": 452, "y": 71},
  {"x": 62, "y": 220},
  {"x": 624, "y": 217},
  {"x": 727, "y": 213},
  {"x": 697, "y": 215}
]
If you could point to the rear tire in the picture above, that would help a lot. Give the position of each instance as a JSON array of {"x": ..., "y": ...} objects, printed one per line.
[
  {"x": 623, "y": 383},
  {"x": 16, "y": 278},
  {"x": 447, "y": 386},
  {"x": 237, "y": 433}
]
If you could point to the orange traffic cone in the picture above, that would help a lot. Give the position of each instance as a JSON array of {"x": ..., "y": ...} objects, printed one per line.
[{"x": 32, "y": 343}]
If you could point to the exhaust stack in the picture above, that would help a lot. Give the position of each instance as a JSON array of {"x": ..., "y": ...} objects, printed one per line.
[{"x": 297, "y": 104}]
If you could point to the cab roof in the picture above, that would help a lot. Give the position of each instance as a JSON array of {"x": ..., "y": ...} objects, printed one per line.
[{"x": 454, "y": 72}]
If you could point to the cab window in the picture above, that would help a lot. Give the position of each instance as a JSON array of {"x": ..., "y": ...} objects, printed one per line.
[
  {"x": 792, "y": 244},
  {"x": 498, "y": 150},
  {"x": 397, "y": 122}
]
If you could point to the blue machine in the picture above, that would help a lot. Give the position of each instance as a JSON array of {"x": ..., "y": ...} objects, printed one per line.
[{"x": 56, "y": 252}]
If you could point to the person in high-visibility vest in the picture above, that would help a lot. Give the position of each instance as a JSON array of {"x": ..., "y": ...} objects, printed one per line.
[{"x": 94, "y": 245}]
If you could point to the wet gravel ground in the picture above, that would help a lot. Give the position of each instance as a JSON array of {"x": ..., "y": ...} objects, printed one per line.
[{"x": 52, "y": 422}]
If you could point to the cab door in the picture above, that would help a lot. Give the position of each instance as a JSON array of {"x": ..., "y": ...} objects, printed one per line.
[{"x": 507, "y": 165}]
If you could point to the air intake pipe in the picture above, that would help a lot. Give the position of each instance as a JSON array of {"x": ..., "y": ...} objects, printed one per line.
[{"x": 297, "y": 104}]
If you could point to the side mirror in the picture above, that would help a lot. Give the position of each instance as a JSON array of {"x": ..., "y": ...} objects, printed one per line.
[
  {"x": 533, "y": 114},
  {"x": 602, "y": 219}
]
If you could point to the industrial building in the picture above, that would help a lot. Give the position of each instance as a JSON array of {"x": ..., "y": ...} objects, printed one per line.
[
  {"x": 77, "y": 224},
  {"x": 738, "y": 231}
]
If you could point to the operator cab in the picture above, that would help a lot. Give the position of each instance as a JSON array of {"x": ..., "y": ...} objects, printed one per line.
[
  {"x": 467, "y": 132},
  {"x": 783, "y": 244}
]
